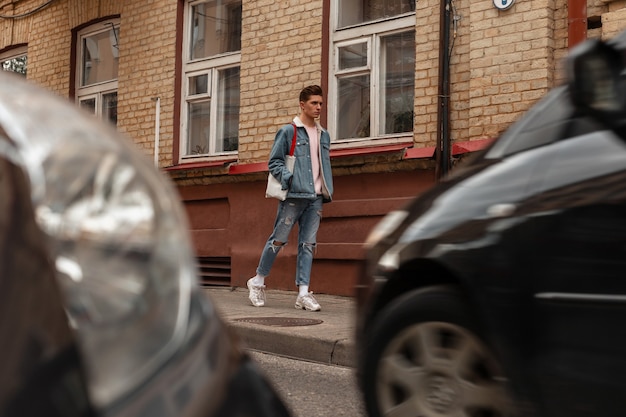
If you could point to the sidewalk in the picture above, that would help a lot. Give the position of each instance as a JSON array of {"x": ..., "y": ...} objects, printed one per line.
[{"x": 325, "y": 336}]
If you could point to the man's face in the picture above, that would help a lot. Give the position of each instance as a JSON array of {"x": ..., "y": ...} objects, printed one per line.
[{"x": 312, "y": 107}]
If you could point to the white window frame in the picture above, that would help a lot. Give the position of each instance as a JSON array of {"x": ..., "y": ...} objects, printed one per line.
[
  {"x": 368, "y": 65},
  {"x": 97, "y": 90},
  {"x": 15, "y": 53},
  {"x": 98, "y": 96},
  {"x": 370, "y": 32},
  {"x": 191, "y": 68}
]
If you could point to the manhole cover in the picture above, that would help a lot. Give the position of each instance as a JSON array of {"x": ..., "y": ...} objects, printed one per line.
[{"x": 280, "y": 321}]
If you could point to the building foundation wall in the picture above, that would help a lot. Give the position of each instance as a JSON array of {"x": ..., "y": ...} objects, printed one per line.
[{"x": 233, "y": 221}]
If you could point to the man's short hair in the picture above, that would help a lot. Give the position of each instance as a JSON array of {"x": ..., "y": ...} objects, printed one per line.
[{"x": 311, "y": 90}]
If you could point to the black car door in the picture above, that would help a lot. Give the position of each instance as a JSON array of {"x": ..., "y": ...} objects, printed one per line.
[{"x": 578, "y": 241}]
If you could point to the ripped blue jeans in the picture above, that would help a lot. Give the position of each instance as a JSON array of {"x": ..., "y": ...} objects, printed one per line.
[{"x": 308, "y": 214}]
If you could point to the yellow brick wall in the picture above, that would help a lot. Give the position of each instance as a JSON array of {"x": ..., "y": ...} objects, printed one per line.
[
  {"x": 511, "y": 62},
  {"x": 146, "y": 71},
  {"x": 83, "y": 11},
  {"x": 426, "y": 72},
  {"x": 281, "y": 48},
  {"x": 561, "y": 29},
  {"x": 614, "y": 20},
  {"x": 14, "y": 31},
  {"x": 146, "y": 60},
  {"x": 460, "y": 71},
  {"x": 48, "y": 51},
  {"x": 501, "y": 62}
]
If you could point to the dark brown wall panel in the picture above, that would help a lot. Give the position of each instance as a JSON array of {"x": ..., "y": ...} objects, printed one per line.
[{"x": 234, "y": 220}]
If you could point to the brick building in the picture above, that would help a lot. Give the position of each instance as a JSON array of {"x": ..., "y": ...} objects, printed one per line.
[{"x": 202, "y": 85}]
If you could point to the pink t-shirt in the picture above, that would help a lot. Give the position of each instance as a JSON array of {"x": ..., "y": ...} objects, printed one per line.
[{"x": 314, "y": 142}]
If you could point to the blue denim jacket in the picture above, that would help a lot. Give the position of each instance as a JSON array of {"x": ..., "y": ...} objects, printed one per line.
[{"x": 301, "y": 186}]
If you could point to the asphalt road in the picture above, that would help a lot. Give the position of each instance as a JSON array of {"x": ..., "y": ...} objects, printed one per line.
[{"x": 311, "y": 388}]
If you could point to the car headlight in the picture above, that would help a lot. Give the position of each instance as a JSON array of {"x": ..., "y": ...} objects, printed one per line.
[{"x": 118, "y": 237}]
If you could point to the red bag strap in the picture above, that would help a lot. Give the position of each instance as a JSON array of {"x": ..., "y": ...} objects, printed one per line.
[{"x": 293, "y": 141}]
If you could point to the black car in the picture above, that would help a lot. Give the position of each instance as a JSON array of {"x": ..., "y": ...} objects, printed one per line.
[
  {"x": 100, "y": 311},
  {"x": 501, "y": 291}
]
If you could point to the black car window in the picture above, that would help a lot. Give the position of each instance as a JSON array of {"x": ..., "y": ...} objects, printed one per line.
[{"x": 544, "y": 123}]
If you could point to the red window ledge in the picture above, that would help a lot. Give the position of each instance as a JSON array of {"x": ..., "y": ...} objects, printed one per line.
[
  {"x": 235, "y": 169},
  {"x": 409, "y": 153},
  {"x": 458, "y": 148},
  {"x": 203, "y": 164}
]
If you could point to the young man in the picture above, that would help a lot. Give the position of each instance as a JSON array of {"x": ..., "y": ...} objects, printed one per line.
[{"x": 310, "y": 185}]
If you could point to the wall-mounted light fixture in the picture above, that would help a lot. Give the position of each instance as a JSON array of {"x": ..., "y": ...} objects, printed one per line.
[{"x": 503, "y": 4}]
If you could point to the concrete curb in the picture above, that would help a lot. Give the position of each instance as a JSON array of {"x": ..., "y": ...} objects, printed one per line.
[
  {"x": 329, "y": 342},
  {"x": 330, "y": 351}
]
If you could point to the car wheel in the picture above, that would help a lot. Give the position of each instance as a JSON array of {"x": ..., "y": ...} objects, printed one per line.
[{"x": 425, "y": 358}]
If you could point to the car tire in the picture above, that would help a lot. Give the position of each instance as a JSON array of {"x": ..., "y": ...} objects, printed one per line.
[{"x": 424, "y": 357}]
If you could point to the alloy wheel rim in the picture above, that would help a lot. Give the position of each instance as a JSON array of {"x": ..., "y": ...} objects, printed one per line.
[{"x": 436, "y": 368}]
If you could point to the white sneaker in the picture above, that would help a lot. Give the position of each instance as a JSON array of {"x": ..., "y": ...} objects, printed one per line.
[
  {"x": 257, "y": 294},
  {"x": 307, "y": 302}
]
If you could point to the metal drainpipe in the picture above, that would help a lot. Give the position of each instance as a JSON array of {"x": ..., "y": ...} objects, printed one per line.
[
  {"x": 443, "y": 154},
  {"x": 576, "y": 22},
  {"x": 577, "y": 32}
]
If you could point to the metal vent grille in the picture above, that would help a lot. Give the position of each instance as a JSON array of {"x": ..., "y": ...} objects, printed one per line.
[{"x": 214, "y": 270}]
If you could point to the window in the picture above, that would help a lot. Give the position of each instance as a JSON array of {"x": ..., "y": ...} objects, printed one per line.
[
  {"x": 97, "y": 64},
  {"x": 353, "y": 12},
  {"x": 373, "y": 73},
  {"x": 15, "y": 60},
  {"x": 210, "y": 109}
]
